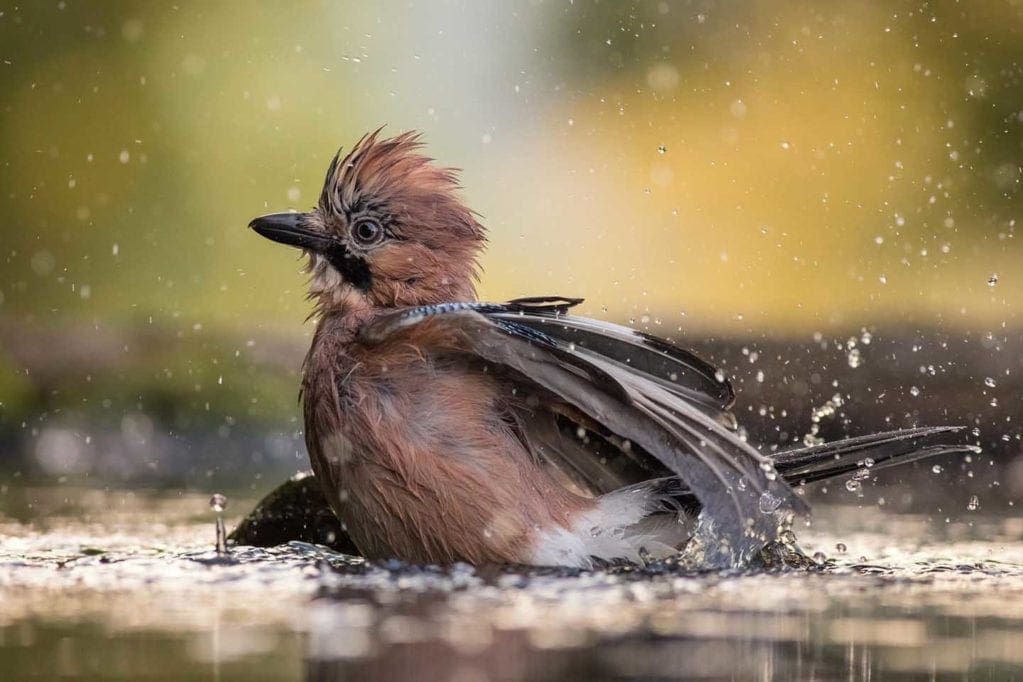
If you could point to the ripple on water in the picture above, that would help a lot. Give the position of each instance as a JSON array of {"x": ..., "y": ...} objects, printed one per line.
[{"x": 903, "y": 597}]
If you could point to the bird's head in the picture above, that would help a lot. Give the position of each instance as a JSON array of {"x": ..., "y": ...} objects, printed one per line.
[{"x": 389, "y": 230}]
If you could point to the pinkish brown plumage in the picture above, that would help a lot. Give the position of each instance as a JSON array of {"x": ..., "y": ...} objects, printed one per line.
[
  {"x": 438, "y": 265},
  {"x": 397, "y": 437},
  {"x": 390, "y": 429},
  {"x": 443, "y": 429}
]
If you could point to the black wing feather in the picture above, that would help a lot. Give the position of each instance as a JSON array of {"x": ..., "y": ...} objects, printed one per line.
[
  {"x": 580, "y": 459},
  {"x": 843, "y": 457},
  {"x": 680, "y": 370}
]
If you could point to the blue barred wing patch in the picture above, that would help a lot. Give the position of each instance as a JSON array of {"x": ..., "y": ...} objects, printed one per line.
[{"x": 413, "y": 316}]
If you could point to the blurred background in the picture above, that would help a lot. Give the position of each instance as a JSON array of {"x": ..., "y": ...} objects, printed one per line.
[{"x": 822, "y": 197}]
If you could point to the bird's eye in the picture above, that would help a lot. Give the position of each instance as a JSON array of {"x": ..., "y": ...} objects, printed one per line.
[{"x": 367, "y": 232}]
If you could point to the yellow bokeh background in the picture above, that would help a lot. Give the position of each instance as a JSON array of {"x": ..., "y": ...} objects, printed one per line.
[{"x": 773, "y": 168}]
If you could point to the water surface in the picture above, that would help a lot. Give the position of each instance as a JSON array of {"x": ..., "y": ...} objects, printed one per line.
[{"x": 100, "y": 584}]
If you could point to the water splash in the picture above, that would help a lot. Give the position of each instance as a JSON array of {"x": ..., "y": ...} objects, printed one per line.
[
  {"x": 218, "y": 503},
  {"x": 826, "y": 411}
]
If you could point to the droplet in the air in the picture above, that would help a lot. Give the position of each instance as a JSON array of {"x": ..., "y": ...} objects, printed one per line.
[
  {"x": 661, "y": 149},
  {"x": 993, "y": 279},
  {"x": 974, "y": 503},
  {"x": 989, "y": 382},
  {"x": 811, "y": 439},
  {"x": 218, "y": 502},
  {"x": 769, "y": 503},
  {"x": 936, "y": 469},
  {"x": 914, "y": 391},
  {"x": 852, "y": 485},
  {"x": 841, "y": 547}
]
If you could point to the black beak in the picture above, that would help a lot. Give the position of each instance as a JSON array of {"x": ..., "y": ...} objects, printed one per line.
[{"x": 287, "y": 228}]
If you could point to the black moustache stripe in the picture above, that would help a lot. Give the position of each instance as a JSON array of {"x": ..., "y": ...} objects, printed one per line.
[{"x": 354, "y": 269}]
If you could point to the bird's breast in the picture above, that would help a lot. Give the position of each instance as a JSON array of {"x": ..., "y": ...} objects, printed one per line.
[{"x": 420, "y": 463}]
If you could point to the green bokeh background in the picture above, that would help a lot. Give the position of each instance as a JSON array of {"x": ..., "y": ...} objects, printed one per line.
[{"x": 740, "y": 168}]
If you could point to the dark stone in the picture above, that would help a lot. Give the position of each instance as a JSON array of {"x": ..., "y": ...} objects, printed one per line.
[{"x": 296, "y": 510}]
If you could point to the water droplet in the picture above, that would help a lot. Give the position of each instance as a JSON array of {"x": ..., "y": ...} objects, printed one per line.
[
  {"x": 852, "y": 485},
  {"x": 841, "y": 547},
  {"x": 769, "y": 503},
  {"x": 819, "y": 558},
  {"x": 661, "y": 149},
  {"x": 914, "y": 391},
  {"x": 974, "y": 503},
  {"x": 993, "y": 279},
  {"x": 854, "y": 358},
  {"x": 42, "y": 262},
  {"x": 989, "y": 382},
  {"x": 936, "y": 469},
  {"x": 769, "y": 471},
  {"x": 811, "y": 439},
  {"x": 218, "y": 503}
]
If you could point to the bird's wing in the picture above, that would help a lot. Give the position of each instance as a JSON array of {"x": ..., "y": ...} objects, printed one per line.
[
  {"x": 643, "y": 397},
  {"x": 681, "y": 372}
]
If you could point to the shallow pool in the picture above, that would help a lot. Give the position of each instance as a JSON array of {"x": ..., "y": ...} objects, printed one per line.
[{"x": 100, "y": 584}]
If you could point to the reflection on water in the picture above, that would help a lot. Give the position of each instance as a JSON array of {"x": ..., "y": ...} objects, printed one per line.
[{"x": 132, "y": 586}]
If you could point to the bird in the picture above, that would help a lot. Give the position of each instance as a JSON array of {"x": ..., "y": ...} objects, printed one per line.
[{"x": 446, "y": 429}]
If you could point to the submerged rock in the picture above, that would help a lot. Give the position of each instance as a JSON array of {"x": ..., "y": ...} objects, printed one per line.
[{"x": 296, "y": 510}]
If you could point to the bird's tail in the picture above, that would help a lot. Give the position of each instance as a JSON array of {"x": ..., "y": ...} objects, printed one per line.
[
  {"x": 830, "y": 460},
  {"x": 876, "y": 451}
]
